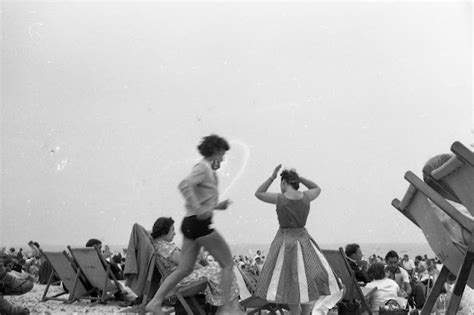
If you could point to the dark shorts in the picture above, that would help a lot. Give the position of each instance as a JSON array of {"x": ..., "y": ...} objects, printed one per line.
[{"x": 194, "y": 228}]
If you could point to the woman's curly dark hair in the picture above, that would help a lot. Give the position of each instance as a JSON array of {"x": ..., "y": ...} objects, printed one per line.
[
  {"x": 376, "y": 271},
  {"x": 161, "y": 227},
  {"x": 291, "y": 178},
  {"x": 211, "y": 144}
]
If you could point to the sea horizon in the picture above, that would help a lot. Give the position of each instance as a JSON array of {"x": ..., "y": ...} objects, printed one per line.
[{"x": 250, "y": 249}]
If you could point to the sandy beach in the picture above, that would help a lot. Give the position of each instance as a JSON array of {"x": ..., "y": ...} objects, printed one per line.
[{"x": 32, "y": 301}]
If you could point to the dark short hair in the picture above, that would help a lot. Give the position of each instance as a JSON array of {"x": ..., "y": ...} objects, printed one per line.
[
  {"x": 351, "y": 249},
  {"x": 418, "y": 257},
  {"x": 162, "y": 226},
  {"x": 93, "y": 242},
  {"x": 211, "y": 144},
  {"x": 291, "y": 178},
  {"x": 391, "y": 254},
  {"x": 376, "y": 271}
]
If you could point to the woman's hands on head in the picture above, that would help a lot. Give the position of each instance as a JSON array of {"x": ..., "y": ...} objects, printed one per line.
[
  {"x": 223, "y": 204},
  {"x": 275, "y": 171}
]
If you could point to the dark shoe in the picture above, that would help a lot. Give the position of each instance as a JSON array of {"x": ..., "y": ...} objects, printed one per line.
[
  {"x": 10, "y": 285},
  {"x": 8, "y": 308}
]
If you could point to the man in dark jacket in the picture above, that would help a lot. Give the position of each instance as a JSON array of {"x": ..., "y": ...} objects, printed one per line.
[{"x": 354, "y": 257}]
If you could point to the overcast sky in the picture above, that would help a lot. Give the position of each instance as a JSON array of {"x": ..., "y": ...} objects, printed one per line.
[{"x": 104, "y": 103}]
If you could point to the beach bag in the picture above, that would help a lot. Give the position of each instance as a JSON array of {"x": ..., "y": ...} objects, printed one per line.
[
  {"x": 392, "y": 307},
  {"x": 348, "y": 308}
]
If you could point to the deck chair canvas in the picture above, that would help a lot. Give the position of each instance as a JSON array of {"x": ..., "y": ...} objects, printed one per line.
[
  {"x": 340, "y": 265},
  {"x": 70, "y": 278},
  {"x": 418, "y": 205},
  {"x": 96, "y": 270},
  {"x": 458, "y": 175}
]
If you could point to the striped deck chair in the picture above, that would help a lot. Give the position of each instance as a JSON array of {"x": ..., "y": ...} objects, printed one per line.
[
  {"x": 342, "y": 269},
  {"x": 458, "y": 175},
  {"x": 418, "y": 205},
  {"x": 63, "y": 268},
  {"x": 96, "y": 270}
]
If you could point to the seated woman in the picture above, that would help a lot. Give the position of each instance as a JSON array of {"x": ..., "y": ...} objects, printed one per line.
[
  {"x": 387, "y": 289},
  {"x": 170, "y": 255}
]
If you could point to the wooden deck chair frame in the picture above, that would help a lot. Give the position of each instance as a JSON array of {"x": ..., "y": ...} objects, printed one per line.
[
  {"x": 416, "y": 207},
  {"x": 63, "y": 269},
  {"x": 257, "y": 304},
  {"x": 458, "y": 175},
  {"x": 109, "y": 283},
  {"x": 181, "y": 293},
  {"x": 338, "y": 261}
]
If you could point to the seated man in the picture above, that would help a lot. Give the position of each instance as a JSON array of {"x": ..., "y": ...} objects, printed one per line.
[
  {"x": 397, "y": 273},
  {"x": 354, "y": 257},
  {"x": 113, "y": 265},
  {"x": 11, "y": 285}
]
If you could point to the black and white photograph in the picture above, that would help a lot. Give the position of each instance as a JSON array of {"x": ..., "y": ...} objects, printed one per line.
[{"x": 237, "y": 157}]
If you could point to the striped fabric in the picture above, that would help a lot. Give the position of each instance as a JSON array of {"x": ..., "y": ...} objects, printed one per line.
[{"x": 295, "y": 270}]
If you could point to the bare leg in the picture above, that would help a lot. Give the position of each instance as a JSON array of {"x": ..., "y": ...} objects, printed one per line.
[
  {"x": 218, "y": 248},
  {"x": 189, "y": 253},
  {"x": 295, "y": 309}
]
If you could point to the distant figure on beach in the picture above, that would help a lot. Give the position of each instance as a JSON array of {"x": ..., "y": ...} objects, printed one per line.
[
  {"x": 295, "y": 272},
  {"x": 200, "y": 191}
]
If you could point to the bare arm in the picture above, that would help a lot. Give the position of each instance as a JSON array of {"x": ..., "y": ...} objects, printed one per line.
[
  {"x": 313, "y": 189},
  {"x": 262, "y": 193}
]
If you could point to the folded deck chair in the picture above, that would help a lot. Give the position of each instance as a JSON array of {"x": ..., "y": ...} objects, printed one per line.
[
  {"x": 338, "y": 261},
  {"x": 250, "y": 302},
  {"x": 63, "y": 269},
  {"x": 420, "y": 205},
  {"x": 458, "y": 175},
  {"x": 96, "y": 270},
  {"x": 137, "y": 265}
]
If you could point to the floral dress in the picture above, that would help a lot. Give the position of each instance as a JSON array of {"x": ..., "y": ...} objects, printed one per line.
[{"x": 212, "y": 273}]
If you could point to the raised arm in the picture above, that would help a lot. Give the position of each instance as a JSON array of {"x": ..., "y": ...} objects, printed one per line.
[
  {"x": 313, "y": 189},
  {"x": 262, "y": 193}
]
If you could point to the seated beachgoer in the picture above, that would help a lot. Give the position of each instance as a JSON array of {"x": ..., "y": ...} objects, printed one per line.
[
  {"x": 354, "y": 257},
  {"x": 113, "y": 265},
  {"x": 170, "y": 255},
  {"x": 397, "y": 273},
  {"x": 387, "y": 289},
  {"x": 11, "y": 285}
]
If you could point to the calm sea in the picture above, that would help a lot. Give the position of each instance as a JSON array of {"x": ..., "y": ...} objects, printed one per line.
[{"x": 380, "y": 249}]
